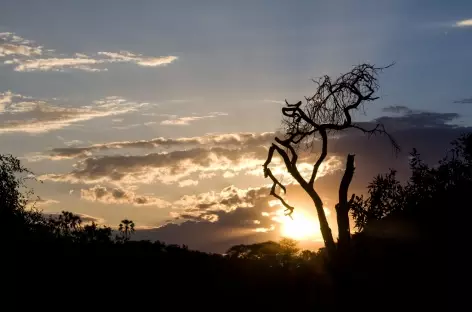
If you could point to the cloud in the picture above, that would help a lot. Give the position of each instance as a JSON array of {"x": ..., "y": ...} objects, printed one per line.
[
  {"x": 164, "y": 167},
  {"x": 128, "y": 57},
  {"x": 215, "y": 221},
  {"x": 182, "y": 166},
  {"x": 119, "y": 196},
  {"x": 273, "y": 101},
  {"x": 243, "y": 154},
  {"x": 227, "y": 140},
  {"x": 57, "y": 64},
  {"x": 464, "y": 23},
  {"x": 40, "y": 202},
  {"x": 11, "y": 44},
  {"x": 185, "y": 121},
  {"x": 397, "y": 109},
  {"x": 429, "y": 132},
  {"x": 416, "y": 119},
  {"x": 464, "y": 101},
  {"x": 228, "y": 174},
  {"x": 220, "y": 217},
  {"x": 227, "y": 199},
  {"x": 20, "y": 113},
  {"x": 188, "y": 182},
  {"x": 73, "y": 142},
  {"x": 27, "y": 56}
]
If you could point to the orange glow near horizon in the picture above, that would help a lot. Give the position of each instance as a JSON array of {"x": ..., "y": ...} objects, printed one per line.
[{"x": 300, "y": 226}]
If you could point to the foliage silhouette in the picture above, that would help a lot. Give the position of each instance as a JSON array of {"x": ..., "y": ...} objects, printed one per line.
[
  {"x": 423, "y": 198},
  {"x": 126, "y": 228}
]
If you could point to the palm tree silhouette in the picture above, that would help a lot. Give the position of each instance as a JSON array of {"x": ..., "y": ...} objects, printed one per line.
[{"x": 126, "y": 228}]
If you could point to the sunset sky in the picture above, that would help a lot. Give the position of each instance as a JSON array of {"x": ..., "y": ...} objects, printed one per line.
[{"x": 162, "y": 111}]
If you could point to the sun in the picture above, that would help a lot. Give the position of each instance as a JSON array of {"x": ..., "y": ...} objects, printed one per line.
[{"x": 300, "y": 227}]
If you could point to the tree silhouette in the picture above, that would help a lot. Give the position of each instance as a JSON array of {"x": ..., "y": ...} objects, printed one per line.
[
  {"x": 67, "y": 224},
  {"x": 385, "y": 196},
  {"x": 284, "y": 253},
  {"x": 424, "y": 198},
  {"x": 12, "y": 178},
  {"x": 126, "y": 228},
  {"x": 15, "y": 197},
  {"x": 92, "y": 233},
  {"x": 327, "y": 111},
  {"x": 289, "y": 246}
]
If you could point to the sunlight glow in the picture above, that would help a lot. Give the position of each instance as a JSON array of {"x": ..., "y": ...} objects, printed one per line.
[{"x": 300, "y": 227}]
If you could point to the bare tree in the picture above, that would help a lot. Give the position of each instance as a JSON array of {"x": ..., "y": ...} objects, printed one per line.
[{"x": 327, "y": 111}]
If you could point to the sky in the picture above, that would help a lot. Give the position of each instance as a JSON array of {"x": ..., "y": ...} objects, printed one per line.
[{"x": 163, "y": 111}]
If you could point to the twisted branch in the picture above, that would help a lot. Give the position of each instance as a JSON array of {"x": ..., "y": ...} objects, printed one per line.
[{"x": 328, "y": 110}]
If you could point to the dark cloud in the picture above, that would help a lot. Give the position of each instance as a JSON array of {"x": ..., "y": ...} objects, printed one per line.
[
  {"x": 464, "y": 101},
  {"x": 429, "y": 132},
  {"x": 414, "y": 119},
  {"x": 119, "y": 196},
  {"x": 375, "y": 155},
  {"x": 397, "y": 109}
]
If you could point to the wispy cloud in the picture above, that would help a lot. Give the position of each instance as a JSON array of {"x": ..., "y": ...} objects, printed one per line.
[
  {"x": 273, "y": 101},
  {"x": 26, "y": 56},
  {"x": 126, "y": 56},
  {"x": 464, "y": 23},
  {"x": 464, "y": 101},
  {"x": 40, "y": 202},
  {"x": 19, "y": 113},
  {"x": 56, "y": 64},
  {"x": 185, "y": 121}
]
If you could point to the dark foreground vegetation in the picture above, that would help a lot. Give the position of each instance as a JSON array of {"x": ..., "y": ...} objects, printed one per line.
[{"x": 396, "y": 258}]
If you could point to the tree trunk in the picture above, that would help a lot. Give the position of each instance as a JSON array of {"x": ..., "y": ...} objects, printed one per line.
[
  {"x": 342, "y": 208},
  {"x": 324, "y": 225}
]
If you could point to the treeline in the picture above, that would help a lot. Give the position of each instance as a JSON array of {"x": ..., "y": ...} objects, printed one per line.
[{"x": 396, "y": 258}]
